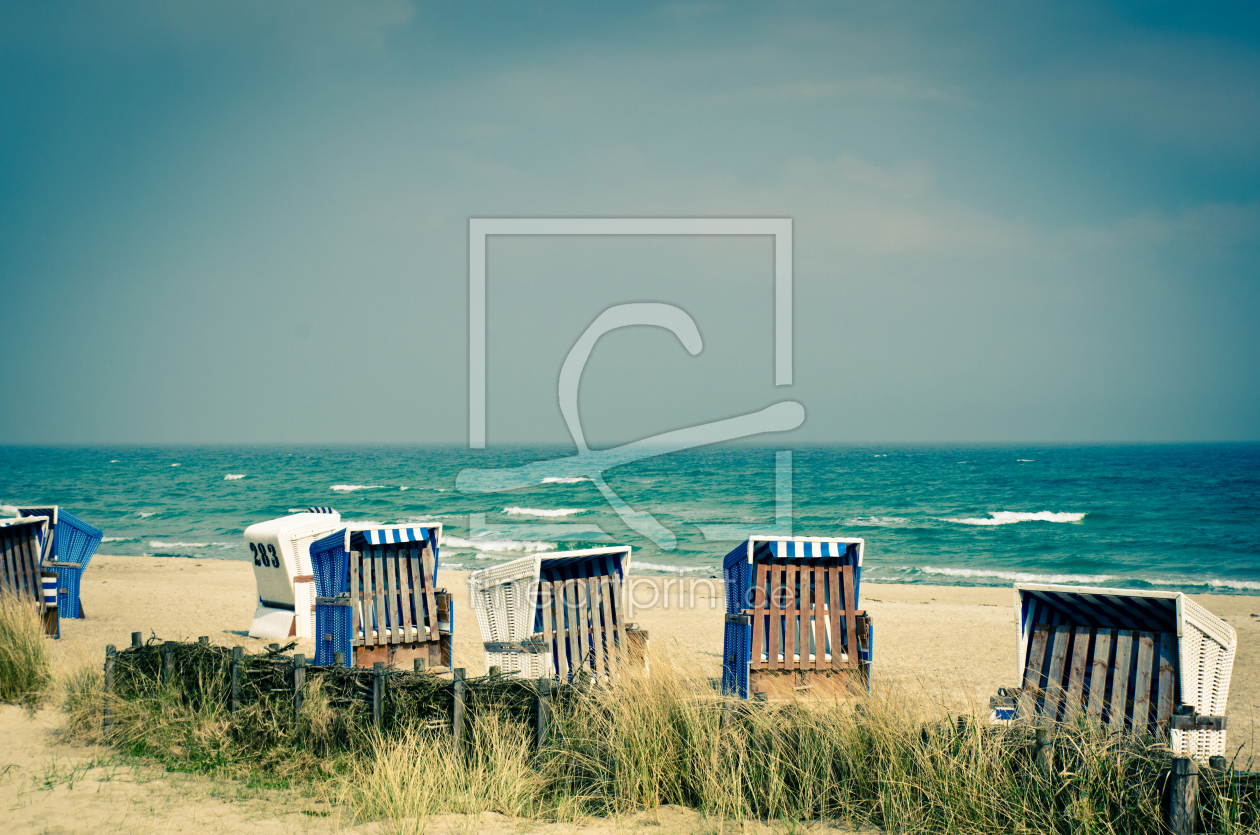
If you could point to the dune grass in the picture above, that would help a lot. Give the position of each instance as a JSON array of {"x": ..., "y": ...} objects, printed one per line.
[
  {"x": 25, "y": 667},
  {"x": 883, "y": 759}
]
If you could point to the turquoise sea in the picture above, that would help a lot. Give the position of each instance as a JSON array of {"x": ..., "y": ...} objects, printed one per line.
[{"x": 1176, "y": 516}]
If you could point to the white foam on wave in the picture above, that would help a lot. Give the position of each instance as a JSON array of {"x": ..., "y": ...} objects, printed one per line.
[
  {"x": 532, "y": 511},
  {"x": 115, "y": 461},
  {"x": 673, "y": 569},
  {"x": 551, "y": 479},
  {"x": 8, "y": 509},
  {"x": 1010, "y": 517},
  {"x": 349, "y": 488},
  {"x": 452, "y": 565},
  {"x": 1025, "y": 460},
  {"x": 876, "y": 521},
  {"x": 403, "y": 487},
  {"x": 144, "y": 515},
  {"x": 497, "y": 544},
  {"x": 233, "y": 476},
  {"x": 120, "y": 539},
  {"x": 174, "y": 465},
  {"x": 158, "y": 543},
  {"x": 1241, "y": 585},
  {"x": 1017, "y": 576}
]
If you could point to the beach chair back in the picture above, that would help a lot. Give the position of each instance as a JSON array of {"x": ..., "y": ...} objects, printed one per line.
[
  {"x": 21, "y": 547},
  {"x": 563, "y": 614},
  {"x": 280, "y": 551},
  {"x": 1147, "y": 662},
  {"x": 66, "y": 550},
  {"x": 792, "y": 617},
  {"x": 378, "y": 598}
]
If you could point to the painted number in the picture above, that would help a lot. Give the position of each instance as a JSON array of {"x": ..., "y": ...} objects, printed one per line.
[{"x": 262, "y": 557}]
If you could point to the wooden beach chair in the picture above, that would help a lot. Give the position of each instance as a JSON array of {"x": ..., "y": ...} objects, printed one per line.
[
  {"x": 378, "y": 598},
  {"x": 1138, "y": 661},
  {"x": 559, "y": 615},
  {"x": 793, "y": 626},
  {"x": 280, "y": 549},
  {"x": 66, "y": 549},
  {"x": 22, "y": 543}
]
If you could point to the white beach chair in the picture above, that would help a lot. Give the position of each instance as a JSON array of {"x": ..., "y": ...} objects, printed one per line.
[{"x": 280, "y": 549}]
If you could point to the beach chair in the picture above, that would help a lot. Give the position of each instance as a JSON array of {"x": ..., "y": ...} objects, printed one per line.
[
  {"x": 793, "y": 627},
  {"x": 280, "y": 549},
  {"x": 559, "y": 615},
  {"x": 378, "y": 598},
  {"x": 22, "y": 543},
  {"x": 66, "y": 551},
  {"x": 1139, "y": 661}
]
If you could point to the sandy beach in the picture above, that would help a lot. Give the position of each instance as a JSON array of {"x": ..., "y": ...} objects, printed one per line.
[{"x": 954, "y": 644}]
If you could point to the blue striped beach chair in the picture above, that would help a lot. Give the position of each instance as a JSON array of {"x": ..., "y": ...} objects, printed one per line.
[
  {"x": 22, "y": 545},
  {"x": 377, "y": 596},
  {"x": 559, "y": 615},
  {"x": 793, "y": 627},
  {"x": 1137, "y": 661},
  {"x": 66, "y": 551}
]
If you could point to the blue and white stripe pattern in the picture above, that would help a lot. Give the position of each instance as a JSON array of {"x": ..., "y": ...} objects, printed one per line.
[
  {"x": 390, "y": 535},
  {"x": 320, "y": 510},
  {"x": 50, "y": 591},
  {"x": 737, "y": 566}
]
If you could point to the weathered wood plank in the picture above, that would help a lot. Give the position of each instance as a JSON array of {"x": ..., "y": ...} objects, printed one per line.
[
  {"x": 606, "y": 632},
  {"x": 776, "y": 613},
  {"x": 1076, "y": 674},
  {"x": 1120, "y": 680},
  {"x": 620, "y": 612},
  {"x": 1098, "y": 674},
  {"x": 820, "y": 617},
  {"x": 1142, "y": 682},
  {"x": 430, "y": 599},
  {"x": 544, "y": 606},
  {"x": 850, "y": 616},
  {"x": 1054, "y": 673},
  {"x": 807, "y": 615},
  {"x": 1028, "y": 697},
  {"x": 790, "y": 604},
  {"x": 1166, "y": 699},
  {"x": 837, "y": 612},
  {"x": 597, "y": 632}
]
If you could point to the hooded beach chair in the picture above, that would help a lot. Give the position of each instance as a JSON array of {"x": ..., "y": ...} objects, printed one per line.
[
  {"x": 22, "y": 545},
  {"x": 1141, "y": 661},
  {"x": 280, "y": 549},
  {"x": 563, "y": 614},
  {"x": 793, "y": 627},
  {"x": 378, "y": 598},
  {"x": 67, "y": 548}
]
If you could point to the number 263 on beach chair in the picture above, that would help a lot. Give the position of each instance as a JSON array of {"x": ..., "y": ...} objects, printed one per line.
[{"x": 793, "y": 627}]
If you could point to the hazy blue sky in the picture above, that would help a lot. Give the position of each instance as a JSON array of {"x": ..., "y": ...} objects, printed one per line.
[{"x": 248, "y": 221}]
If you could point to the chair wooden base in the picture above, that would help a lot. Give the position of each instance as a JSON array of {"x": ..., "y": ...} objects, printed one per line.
[{"x": 432, "y": 653}]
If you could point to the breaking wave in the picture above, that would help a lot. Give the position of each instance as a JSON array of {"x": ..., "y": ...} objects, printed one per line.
[
  {"x": 497, "y": 544},
  {"x": 233, "y": 476},
  {"x": 348, "y": 488},
  {"x": 1010, "y": 517},
  {"x": 1017, "y": 576},
  {"x": 530, "y": 511},
  {"x": 551, "y": 479}
]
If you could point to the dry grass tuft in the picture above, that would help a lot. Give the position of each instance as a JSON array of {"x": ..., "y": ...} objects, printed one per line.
[{"x": 25, "y": 670}]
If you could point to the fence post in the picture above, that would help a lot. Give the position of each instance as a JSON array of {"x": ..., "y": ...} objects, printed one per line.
[
  {"x": 418, "y": 665},
  {"x": 1219, "y": 764},
  {"x": 168, "y": 661},
  {"x": 1183, "y": 796},
  {"x": 137, "y": 640},
  {"x": 495, "y": 672},
  {"x": 544, "y": 710},
  {"x": 204, "y": 640},
  {"x": 457, "y": 709},
  {"x": 238, "y": 656},
  {"x": 339, "y": 659},
  {"x": 107, "y": 711},
  {"x": 299, "y": 678},
  {"x": 1045, "y": 752},
  {"x": 378, "y": 692}
]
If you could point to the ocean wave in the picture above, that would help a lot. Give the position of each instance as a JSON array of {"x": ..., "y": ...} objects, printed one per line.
[
  {"x": 158, "y": 543},
  {"x": 1010, "y": 517},
  {"x": 452, "y": 565},
  {"x": 348, "y": 488},
  {"x": 530, "y": 511},
  {"x": 551, "y": 479},
  {"x": 1017, "y": 576},
  {"x": 673, "y": 569},
  {"x": 120, "y": 539},
  {"x": 1241, "y": 585},
  {"x": 174, "y": 465},
  {"x": 876, "y": 521},
  {"x": 143, "y": 515},
  {"x": 1025, "y": 460},
  {"x": 403, "y": 487},
  {"x": 233, "y": 476},
  {"x": 497, "y": 544},
  {"x": 8, "y": 509}
]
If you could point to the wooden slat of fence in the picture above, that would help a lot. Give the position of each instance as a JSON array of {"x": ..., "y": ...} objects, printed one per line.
[
  {"x": 430, "y": 599},
  {"x": 1054, "y": 675},
  {"x": 1076, "y": 674},
  {"x": 833, "y": 582},
  {"x": 620, "y": 611},
  {"x": 850, "y": 616},
  {"x": 405, "y": 592},
  {"x": 807, "y": 614},
  {"x": 607, "y": 628},
  {"x": 760, "y": 615},
  {"x": 790, "y": 605},
  {"x": 1098, "y": 674},
  {"x": 597, "y": 630},
  {"x": 1142, "y": 682},
  {"x": 772, "y": 648},
  {"x": 389, "y": 587},
  {"x": 1120, "y": 679},
  {"x": 356, "y": 601},
  {"x": 378, "y": 596},
  {"x": 1167, "y": 696},
  {"x": 415, "y": 599},
  {"x": 820, "y": 616},
  {"x": 1032, "y": 670}
]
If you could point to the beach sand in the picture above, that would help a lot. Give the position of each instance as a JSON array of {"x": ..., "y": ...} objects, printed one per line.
[{"x": 956, "y": 645}]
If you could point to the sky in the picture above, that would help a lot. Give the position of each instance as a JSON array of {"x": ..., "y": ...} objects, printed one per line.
[{"x": 248, "y": 222}]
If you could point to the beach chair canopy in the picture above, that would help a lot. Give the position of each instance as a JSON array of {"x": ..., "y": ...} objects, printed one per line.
[
  {"x": 330, "y": 554},
  {"x": 737, "y": 566},
  {"x": 1126, "y": 657}
]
